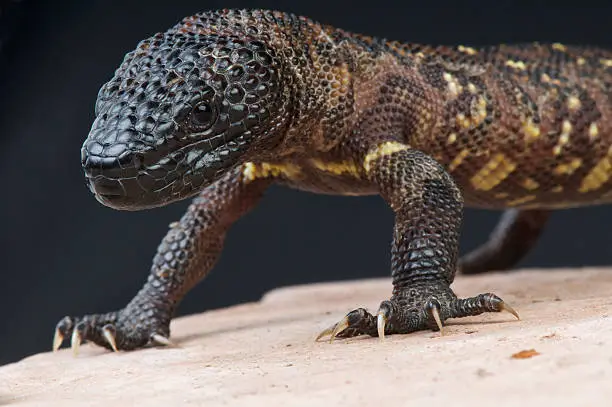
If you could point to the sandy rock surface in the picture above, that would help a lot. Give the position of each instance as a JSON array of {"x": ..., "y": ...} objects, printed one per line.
[{"x": 264, "y": 354}]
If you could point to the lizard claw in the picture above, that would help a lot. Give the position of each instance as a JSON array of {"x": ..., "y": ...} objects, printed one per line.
[
  {"x": 432, "y": 307},
  {"x": 381, "y": 323},
  {"x": 76, "y": 339},
  {"x": 339, "y": 327},
  {"x": 325, "y": 332},
  {"x": 503, "y": 306},
  {"x": 162, "y": 340},
  {"x": 58, "y": 338},
  {"x": 62, "y": 329},
  {"x": 109, "y": 333},
  {"x": 334, "y": 330}
]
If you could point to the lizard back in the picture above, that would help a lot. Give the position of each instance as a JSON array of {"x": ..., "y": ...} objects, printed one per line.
[
  {"x": 527, "y": 125},
  {"x": 524, "y": 125}
]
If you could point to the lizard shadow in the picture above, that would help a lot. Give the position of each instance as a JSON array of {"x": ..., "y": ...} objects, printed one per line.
[
  {"x": 6, "y": 400},
  {"x": 179, "y": 341},
  {"x": 279, "y": 321},
  {"x": 237, "y": 328}
]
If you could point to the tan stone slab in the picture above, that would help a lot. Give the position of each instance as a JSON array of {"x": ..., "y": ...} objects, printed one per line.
[{"x": 263, "y": 354}]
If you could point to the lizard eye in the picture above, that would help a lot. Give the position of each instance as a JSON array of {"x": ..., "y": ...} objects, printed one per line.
[{"x": 203, "y": 115}]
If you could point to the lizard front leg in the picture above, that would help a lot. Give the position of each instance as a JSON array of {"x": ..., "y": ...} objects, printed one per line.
[
  {"x": 185, "y": 256},
  {"x": 428, "y": 210}
]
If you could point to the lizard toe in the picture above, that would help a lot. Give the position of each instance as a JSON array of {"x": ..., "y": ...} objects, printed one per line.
[
  {"x": 355, "y": 323},
  {"x": 114, "y": 331},
  {"x": 415, "y": 309}
]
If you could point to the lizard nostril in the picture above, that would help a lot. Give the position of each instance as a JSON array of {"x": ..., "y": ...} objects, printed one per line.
[
  {"x": 96, "y": 162},
  {"x": 114, "y": 162},
  {"x": 130, "y": 160}
]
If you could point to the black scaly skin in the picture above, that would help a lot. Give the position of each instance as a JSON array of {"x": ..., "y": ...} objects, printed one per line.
[
  {"x": 186, "y": 254},
  {"x": 228, "y": 102}
]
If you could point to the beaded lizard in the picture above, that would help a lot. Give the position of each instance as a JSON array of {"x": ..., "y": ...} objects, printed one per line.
[{"x": 228, "y": 102}]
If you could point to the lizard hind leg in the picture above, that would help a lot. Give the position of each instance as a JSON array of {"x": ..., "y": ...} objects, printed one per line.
[{"x": 515, "y": 234}]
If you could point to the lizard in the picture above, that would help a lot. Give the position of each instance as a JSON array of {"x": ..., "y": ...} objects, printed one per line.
[{"x": 228, "y": 102}]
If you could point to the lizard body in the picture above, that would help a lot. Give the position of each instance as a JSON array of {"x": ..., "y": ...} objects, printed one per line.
[{"x": 226, "y": 103}]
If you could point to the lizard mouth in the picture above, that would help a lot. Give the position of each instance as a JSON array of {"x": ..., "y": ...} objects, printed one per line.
[
  {"x": 143, "y": 181},
  {"x": 130, "y": 194},
  {"x": 117, "y": 193}
]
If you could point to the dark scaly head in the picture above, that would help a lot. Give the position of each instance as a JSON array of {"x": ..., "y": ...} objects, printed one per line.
[{"x": 182, "y": 108}]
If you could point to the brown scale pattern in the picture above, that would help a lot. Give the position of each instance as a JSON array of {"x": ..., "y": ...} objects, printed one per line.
[{"x": 228, "y": 102}]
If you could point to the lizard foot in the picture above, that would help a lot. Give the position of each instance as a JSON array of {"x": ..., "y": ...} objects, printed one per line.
[
  {"x": 114, "y": 331},
  {"x": 414, "y": 309}
]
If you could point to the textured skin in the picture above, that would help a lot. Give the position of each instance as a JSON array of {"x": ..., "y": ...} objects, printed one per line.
[{"x": 227, "y": 102}]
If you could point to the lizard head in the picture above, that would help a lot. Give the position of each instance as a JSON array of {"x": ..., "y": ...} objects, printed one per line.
[{"x": 182, "y": 109}]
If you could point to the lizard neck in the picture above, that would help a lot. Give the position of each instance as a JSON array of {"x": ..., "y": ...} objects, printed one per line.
[{"x": 337, "y": 78}]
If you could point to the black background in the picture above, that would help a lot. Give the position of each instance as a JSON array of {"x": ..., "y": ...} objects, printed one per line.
[{"x": 63, "y": 253}]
